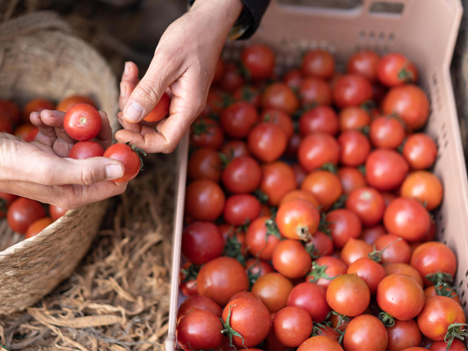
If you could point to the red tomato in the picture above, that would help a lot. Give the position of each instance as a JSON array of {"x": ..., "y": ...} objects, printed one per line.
[
  {"x": 353, "y": 118},
  {"x": 312, "y": 298},
  {"x": 85, "y": 149},
  {"x": 355, "y": 249},
  {"x": 393, "y": 249},
  {"x": 395, "y": 69},
  {"x": 267, "y": 142},
  {"x": 407, "y": 218},
  {"x": 130, "y": 158},
  {"x": 27, "y": 132},
  {"x": 273, "y": 290},
  {"x": 235, "y": 148},
  {"x": 300, "y": 194},
  {"x": 403, "y": 334},
  {"x": 420, "y": 151},
  {"x": 368, "y": 204},
  {"x": 37, "y": 105},
  {"x": 319, "y": 245},
  {"x": 431, "y": 233},
  {"x": 249, "y": 94},
  {"x": 205, "y": 132},
  {"x": 271, "y": 342},
  {"x": 24, "y": 212},
  {"x": 385, "y": 169},
  {"x": 38, "y": 226},
  {"x": 351, "y": 179},
  {"x": 5, "y": 202},
  {"x": 293, "y": 78},
  {"x": 369, "y": 271},
  {"x": 325, "y": 186},
  {"x": 221, "y": 278},
  {"x": 298, "y": 219},
  {"x": 67, "y": 103},
  {"x": 204, "y": 163},
  {"x": 202, "y": 242},
  {"x": 56, "y": 212},
  {"x": 215, "y": 102},
  {"x": 318, "y": 63},
  {"x": 410, "y": 103},
  {"x": 82, "y": 122},
  {"x": 365, "y": 333},
  {"x": 425, "y": 187},
  {"x": 321, "y": 343},
  {"x": 299, "y": 173},
  {"x": 440, "y": 290},
  {"x": 204, "y": 200},
  {"x": 351, "y": 90},
  {"x": 232, "y": 78},
  {"x": 354, "y": 148},
  {"x": 277, "y": 180},
  {"x": 457, "y": 345},
  {"x": 160, "y": 110},
  {"x": 280, "y": 96},
  {"x": 243, "y": 294},
  {"x": 365, "y": 63},
  {"x": 314, "y": 91},
  {"x": 188, "y": 279},
  {"x": 321, "y": 119},
  {"x": 325, "y": 269},
  {"x": 5, "y": 124},
  {"x": 403, "y": 268},
  {"x": 371, "y": 234},
  {"x": 262, "y": 238},
  {"x": 241, "y": 208},
  {"x": 388, "y": 197},
  {"x": 242, "y": 175},
  {"x": 400, "y": 296},
  {"x": 292, "y": 326},
  {"x": 348, "y": 294},
  {"x": 291, "y": 259},
  {"x": 200, "y": 302},
  {"x": 257, "y": 268},
  {"x": 279, "y": 118},
  {"x": 258, "y": 60},
  {"x": 386, "y": 133},
  {"x": 219, "y": 71},
  {"x": 344, "y": 225},
  {"x": 11, "y": 110},
  {"x": 238, "y": 119},
  {"x": 316, "y": 150}
]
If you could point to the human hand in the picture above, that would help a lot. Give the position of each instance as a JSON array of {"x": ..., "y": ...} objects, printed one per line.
[{"x": 183, "y": 64}]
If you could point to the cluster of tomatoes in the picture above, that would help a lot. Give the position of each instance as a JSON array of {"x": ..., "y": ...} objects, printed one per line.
[{"x": 308, "y": 212}]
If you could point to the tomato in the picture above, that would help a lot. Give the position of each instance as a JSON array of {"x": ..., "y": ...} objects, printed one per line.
[
  {"x": 232, "y": 78},
  {"x": 11, "y": 110},
  {"x": 204, "y": 200},
  {"x": 292, "y": 326},
  {"x": 395, "y": 69},
  {"x": 279, "y": 118},
  {"x": 258, "y": 60},
  {"x": 339, "y": 322},
  {"x": 38, "y": 226},
  {"x": 400, "y": 296},
  {"x": 410, "y": 103},
  {"x": 24, "y": 212},
  {"x": 355, "y": 249},
  {"x": 325, "y": 269},
  {"x": 371, "y": 234},
  {"x": 219, "y": 71},
  {"x": 351, "y": 179},
  {"x": 321, "y": 119},
  {"x": 348, "y": 294},
  {"x": 291, "y": 259},
  {"x": 202, "y": 242},
  {"x": 300, "y": 194},
  {"x": 271, "y": 342},
  {"x": 351, "y": 90},
  {"x": 27, "y": 132},
  {"x": 248, "y": 317},
  {"x": 248, "y": 94},
  {"x": 215, "y": 102},
  {"x": 319, "y": 245},
  {"x": 325, "y": 186},
  {"x": 365, "y": 333},
  {"x": 403, "y": 268},
  {"x": 386, "y": 132},
  {"x": 457, "y": 345},
  {"x": 354, "y": 148},
  {"x": 299, "y": 173},
  {"x": 368, "y": 204},
  {"x": 312, "y": 298},
  {"x": 407, "y": 218},
  {"x": 242, "y": 175},
  {"x": 425, "y": 187},
  {"x": 240, "y": 208},
  {"x": 298, "y": 219},
  {"x": 396, "y": 250},
  {"x": 265, "y": 211},
  {"x": 321, "y": 343},
  {"x": 85, "y": 149},
  {"x": 238, "y": 119},
  {"x": 5, "y": 202},
  {"x": 200, "y": 302},
  {"x": 318, "y": 63},
  {"x": 385, "y": 169},
  {"x": 329, "y": 332},
  {"x": 82, "y": 122},
  {"x": 388, "y": 197},
  {"x": 188, "y": 279},
  {"x": 431, "y": 233},
  {"x": 204, "y": 163},
  {"x": 37, "y": 105},
  {"x": 432, "y": 258},
  {"x": 5, "y": 124},
  {"x": 437, "y": 315},
  {"x": 199, "y": 329},
  {"x": 420, "y": 151},
  {"x": 267, "y": 142},
  {"x": 277, "y": 180},
  {"x": 441, "y": 290},
  {"x": 353, "y": 118},
  {"x": 206, "y": 132},
  {"x": 293, "y": 146},
  {"x": 257, "y": 268},
  {"x": 128, "y": 156},
  {"x": 403, "y": 334},
  {"x": 160, "y": 110},
  {"x": 273, "y": 290},
  {"x": 316, "y": 150},
  {"x": 344, "y": 225},
  {"x": 67, "y": 103},
  {"x": 369, "y": 271},
  {"x": 314, "y": 91},
  {"x": 221, "y": 278},
  {"x": 364, "y": 63},
  {"x": 243, "y": 294},
  {"x": 293, "y": 78},
  {"x": 280, "y": 96},
  {"x": 235, "y": 148},
  {"x": 262, "y": 238}
]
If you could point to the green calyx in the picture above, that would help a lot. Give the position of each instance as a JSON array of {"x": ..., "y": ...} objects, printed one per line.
[
  {"x": 406, "y": 75},
  {"x": 139, "y": 152},
  {"x": 318, "y": 272},
  {"x": 443, "y": 289},
  {"x": 329, "y": 167},
  {"x": 254, "y": 276},
  {"x": 228, "y": 330},
  {"x": 439, "y": 277},
  {"x": 261, "y": 196},
  {"x": 455, "y": 330},
  {"x": 340, "y": 203},
  {"x": 386, "y": 319},
  {"x": 233, "y": 247},
  {"x": 191, "y": 273},
  {"x": 202, "y": 127},
  {"x": 272, "y": 229},
  {"x": 324, "y": 226},
  {"x": 376, "y": 255}
]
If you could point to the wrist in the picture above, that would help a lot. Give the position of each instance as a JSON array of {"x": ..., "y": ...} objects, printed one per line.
[{"x": 226, "y": 11}]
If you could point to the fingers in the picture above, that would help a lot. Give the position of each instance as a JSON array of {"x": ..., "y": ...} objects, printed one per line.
[
  {"x": 128, "y": 83},
  {"x": 104, "y": 138},
  {"x": 83, "y": 195}
]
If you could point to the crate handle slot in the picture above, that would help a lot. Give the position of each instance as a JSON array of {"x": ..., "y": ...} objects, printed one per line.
[{"x": 386, "y": 7}]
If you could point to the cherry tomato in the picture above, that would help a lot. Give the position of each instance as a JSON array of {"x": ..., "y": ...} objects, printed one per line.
[
  {"x": 319, "y": 245},
  {"x": 5, "y": 124},
  {"x": 329, "y": 332},
  {"x": 160, "y": 110},
  {"x": 316, "y": 150},
  {"x": 38, "y": 226},
  {"x": 368, "y": 204},
  {"x": 280, "y": 96},
  {"x": 325, "y": 269},
  {"x": 385, "y": 169},
  {"x": 200, "y": 302},
  {"x": 262, "y": 238},
  {"x": 388, "y": 197},
  {"x": 386, "y": 133},
  {"x": 258, "y": 60},
  {"x": 410, "y": 103},
  {"x": 279, "y": 118},
  {"x": 273, "y": 290},
  {"x": 5, "y": 202},
  {"x": 267, "y": 142},
  {"x": 403, "y": 334},
  {"x": 299, "y": 173},
  {"x": 314, "y": 91},
  {"x": 369, "y": 271},
  {"x": 321, "y": 119},
  {"x": 240, "y": 208},
  {"x": 395, "y": 69},
  {"x": 11, "y": 110},
  {"x": 425, "y": 187},
  {"x": 242, "y": 175},
  {"x": 291, "y": 259},
  {"x": 24, "y": 212},
  {"x": 82, "y": 122},
  {"x": 312, "y": 298},
  {"x": 37, "y": 105},
  {"x": 232, "y": 78},
  {"x": 339, "y": 322},
  {"x": 271, "y": 342},
  {"x": 457, "y": 345},
  {"x": 396, "y": 250},
  {"x": 351, "y": 90},
  {"x": 235, "y": 148},
  {"x": 85, "y": 149},
  {"x": 27, "y": 132},
  {"x": 202, "y": 242},
  {"x": 238, "y": 119},
  {"x": 257, "y": 267},
  {"x": 440, "y": 290},
  {"x": 353, "y": 118},
  {"x": 205, "y": 132},
  {"x": 420, "y": 151},
  {"x": 431, "y": 233},
  {"x": 321, "y": 343},
  {"x": 325, "y": 186},
  {"x": 344, "y": 225},
  {"x": 400, "y": 296},
  {"x": 355, "y": 249},
  {"x": 219, "y": 71},
  {"x": 351, "y": 179},
  {"x": 243, "y": 294},
  {"x": 298, "y": 219},
  {"x": 188, "y": 279},
  {"x": 128, "y": 156},
  {"x": 354, "y": 148},
  {"x": 221, "y": 278},
  {"x": 292, "y": 326},
  {"x": 277, "y": 180},
  {"x": 204, "y": 163},
  {"x": 364, "y": 63},
  {"x": 293, "y": 78},
  {"x": 348, "y": 294},
  {"x": 249, "y": 94},
  {"x": 67, "y": 103},
  {"x": 300, "y": 194},
  {"x": 365, "y": 333},
  {"x": 403, "y": 268},
  {"x": 318, "y": 63},
  {"x": 204, "y": 200},
  {"x": 371, "y": 234}
]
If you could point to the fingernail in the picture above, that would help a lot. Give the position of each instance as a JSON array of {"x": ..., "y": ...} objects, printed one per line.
[
  {"x": 123, "y": 90},
  {"x": 114, "y": 172},
  {"x": 127, "y": 68},
  {"x": 134, "y": 112}
]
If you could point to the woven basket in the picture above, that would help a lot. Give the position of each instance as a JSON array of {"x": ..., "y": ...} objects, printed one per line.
[{"x": 39, "y": 57}]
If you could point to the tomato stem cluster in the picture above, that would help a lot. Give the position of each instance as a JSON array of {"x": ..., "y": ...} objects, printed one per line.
[
  {"x": 455, "y": 330},
  {"x": 228, "y": 329}
]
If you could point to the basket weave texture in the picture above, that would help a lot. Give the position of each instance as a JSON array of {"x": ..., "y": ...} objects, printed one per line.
[{"x": 40, "y": 57}]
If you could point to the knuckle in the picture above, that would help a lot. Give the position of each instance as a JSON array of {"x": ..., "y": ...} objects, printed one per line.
[
  {"x": 148, "y": 92},
  {"x": 89, "y": 176}
]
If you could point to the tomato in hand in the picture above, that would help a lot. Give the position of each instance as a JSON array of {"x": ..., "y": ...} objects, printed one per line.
[
  {"x": 393, "y": 249},
  {"x": 204, "y": 200},
  {"x": 82, "y": 122},
  {"x": 403, "y": 334},
  {"x": 425, "y": 187},
  {"x": 355, "y": 249},
  {"x": 240, "y": 208},
  {"x": 38, "y": 226},
  {"x": 386, "y": 133},
  {"x": 85, "y": 149},
  {"x": 325, "y": 269},
  {"x": 343, "y": 225},
  {"x": 5, "y": 202},
  {"x": 238, "y": 119},
  {"x": 278, "y": 179},
  {"x": 314, "y": 91},
  {"x": 369, "y": 271},
  {"x": 312, "y": 298},
  {"x": 354, "y": 148},
  {"x": 204, "y": 163},
  {"x": 325, "y": 186},
  {"x": 365, "y": 333},
  {"x": 258, "y": 60},
  {"x": 202, "y": 242},
  {"x": 318, "y": 63},
  {"x": 364, "y": 63},
  {"x": 291, "y": 259},
  {"x": 200, "y": 302},
  {"x": 351, "y": 90},
  {"x": 67, "y": 103},
  {"x": 27, "y": 132},
  {"x": 349, "y": 295},
  {"x": 273, "y": 290},
  {"x": 319, "y": 245},
  {"x": 353, "y": 118},
  {"x": 420, "y": 151},
  {"x": 242, "y": 175},
  {"x": 351, "y": 179},
  {"x": 316, "y": 150},
  {"x": 292, "y": 326},
  {"x": 298, "y": 219},
  {"x": 368, "y": 204},
  {"x": 160, "y": 110},
  {"x": 320, "y": 342},
  {"x": 262, "y": 237},
  {"x": 24, "y": 212},
  {"x": 321, "y": 119},
  {"x": 395, "y": 69},
  {"x": 130, "y": 158},
  {"x": 280, "y": 96},
  {"x": 267, "y": 142},
  {"x": 36, "y": 105},
  {"x": 385, "y": 169}
]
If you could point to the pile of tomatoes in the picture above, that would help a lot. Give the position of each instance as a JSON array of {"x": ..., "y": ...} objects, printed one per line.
[{"x": 308, "y": 211}]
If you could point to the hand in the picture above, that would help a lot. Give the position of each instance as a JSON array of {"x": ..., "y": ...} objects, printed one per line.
[{"x": 183, "y": 64}]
